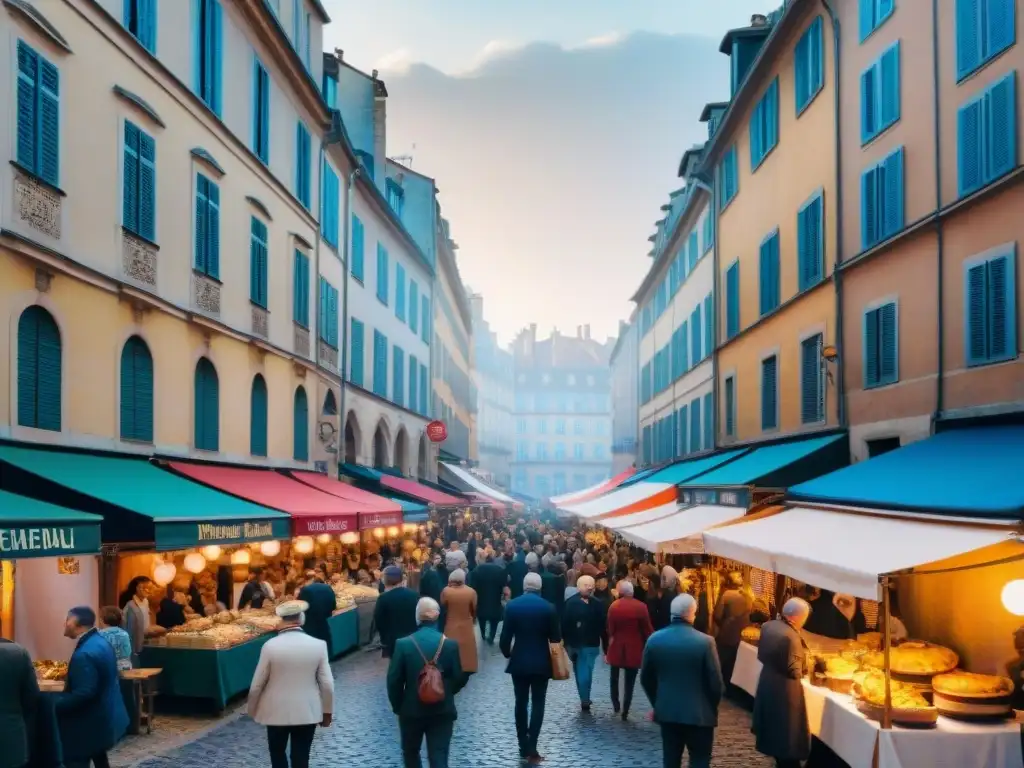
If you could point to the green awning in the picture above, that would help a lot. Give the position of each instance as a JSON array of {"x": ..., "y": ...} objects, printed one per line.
[
  {"x": 30, "y": 528},
  {"x": 139, "y": 501}
]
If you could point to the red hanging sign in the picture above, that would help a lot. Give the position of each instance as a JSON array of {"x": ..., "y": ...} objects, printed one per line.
[{"x": 437, "y": 432}]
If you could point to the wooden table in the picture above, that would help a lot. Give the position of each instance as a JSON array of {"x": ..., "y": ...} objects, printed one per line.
[{"x": 143, "y": 695}]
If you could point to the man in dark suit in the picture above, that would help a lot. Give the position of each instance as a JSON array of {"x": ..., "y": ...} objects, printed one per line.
[
  {"x": 90, "y": 711},
  {"x": 489, "y": 580},
  {"x": 417, "y": 720},
  {"x": 430, "y": 579},
  {"x": 395, "y": 612},
  {"x": 530, "y": 625},
  {"x": 322, "y": 604},
  {"x": 517, "y": 570},
  {"x": 19, "y": 696},
  {"x": 682, "y": 678}
]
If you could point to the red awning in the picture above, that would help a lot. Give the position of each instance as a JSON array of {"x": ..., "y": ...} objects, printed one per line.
[
  {"x": 420, "y": 491},
  {"x": 312, "y": 511},
  {"x": 380, "y": 512},
  {"x": 605, "y": 487},
  {"x": 484, "y": 499}
]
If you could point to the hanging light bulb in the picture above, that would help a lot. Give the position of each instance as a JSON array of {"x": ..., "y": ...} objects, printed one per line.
[
  {"x": 393, "y": 531},
  {"x": 304, "y": 545},
  {"x": 1013, "y": 597},
  {"x": 378, "y": 532},
  {"x": 350, "y": 537},
  {"x": 164, "y": 573},
  {"x": 324, "y": 538},
  {"x": 241, "y": 557},
  {"x": 211, "y": 552},
  {"x": 195, "y": 563},
  {"x": 270, "y": 548}
]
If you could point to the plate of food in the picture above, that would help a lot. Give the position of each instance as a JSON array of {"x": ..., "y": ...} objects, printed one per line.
[
  {"x": 970, "y": 696},
  {"x": 909, "y": 706},
  {"x": 914, "y": 658}
]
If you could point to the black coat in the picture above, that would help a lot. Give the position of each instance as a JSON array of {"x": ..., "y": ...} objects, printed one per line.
[
  {"x": 489, "y": 580},
  {"x": 552, "y": 589},
  {"x": 430, "y": 583},
  {"x": 322, "y": 603},
  {"x": 517, "y": 571},
  {"x": 395, "y": 617},
  {"x": 583, "y": 622},
  {"x": 406, "y": 665},
  {"x": 19, "y": 697}
]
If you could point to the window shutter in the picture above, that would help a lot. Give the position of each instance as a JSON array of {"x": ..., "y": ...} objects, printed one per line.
[
  {"x": 811, "y": 405},
  {"x": 684, "y": 430},
  {"x": 147, "y": 187},
  {"x": 732, "y": 300},
  {"x": 695, "y": 425},
  {"x": 1002, "y": 128},
  {"x": 1001, "y": 25},
  {"x": 207, "y": 406},
  {"x": 869, "y": 208},
  {"x": 258, "y": 417},
  {"x": 424, "y": 380},
  {"x": 730, "y": 406},
  {"x": 1002, "y": 315},
  {"x": 425, "y": 320},
  {"x": 817, "y": 59},
  {"x": 136, "y": 391},
  {"x": 868, "y": 108},
  {"x": 130, "y": 187},
  {"x": 400, "y": 292},
  {"x": 264, "y": 115},
  {"x": 49, "y": 122},
  {"x": 333, "y": 312},
  {"x": 28, "y": 72},
  {"x": 977, "y": 336},
  {"x": 769, "y": 393},
  {"x": 414, "y": 307},
  {"x": 398, "y": 384},
  {"x": 202, "y": 211},
  {"x": 382, "y": 274},
  {"x": 889, "y": 103},
  {"x": 413, "y": 369},
  {"x": 872, "y": 372},
  {"x": 28, "y": 367},
  {"x": 39, "y": 370},
  {"x": 709, "y": 424},
  {"x": 300, "y": 429},
  {"x": 801, "y": 71},
  {"x": 695, "y": 336},
  {"x": 867, "y": 17},
  {"x": 358, "y": 248},
  {"x": 968, "y": 36},
  {"x": 213, "y": 231},
  {"x": 888, "y": 344},
  {"x": 709, "y": 335},
  {"x": 892, "y": 201}
]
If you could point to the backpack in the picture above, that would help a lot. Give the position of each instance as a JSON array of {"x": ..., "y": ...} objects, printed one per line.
[{"x": 429, "y": 682}]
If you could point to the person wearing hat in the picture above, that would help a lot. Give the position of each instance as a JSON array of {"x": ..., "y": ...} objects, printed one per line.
[
  {"x": 322, "y": 603},
  {"x": 395, "y": 612},
  {"x": 292, "y": 691}
]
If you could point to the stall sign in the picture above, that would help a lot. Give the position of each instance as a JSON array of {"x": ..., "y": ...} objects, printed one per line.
[
  {"x": 315, "y": 526},
  {"x": 437, "y": 432},
  {"x": 686, "y": 497},
  {"x": 734, "y": 498},
  {"x": 178, "y": 535},
  {"x": 705, "y": 497},
  {"x": 379, "y": 520},
  {"x": 49, "y": 541}
]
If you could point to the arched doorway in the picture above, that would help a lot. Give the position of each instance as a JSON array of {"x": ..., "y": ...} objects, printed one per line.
[
  {"x": 353, "y": 438},
  {"x": 381, "y": 454},
  {"x": 402, "y": 450},
  {"x": 421, "y": 463}
]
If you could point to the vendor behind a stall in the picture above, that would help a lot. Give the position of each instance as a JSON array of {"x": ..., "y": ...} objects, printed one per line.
[{"x": 254, "y": 592}]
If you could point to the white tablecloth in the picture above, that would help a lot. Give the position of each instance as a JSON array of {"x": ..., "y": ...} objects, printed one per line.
[
  {"x": 952, "y": 742},
  {"x": 747, "y": 669}
]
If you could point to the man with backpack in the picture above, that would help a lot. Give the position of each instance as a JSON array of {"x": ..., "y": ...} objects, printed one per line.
[{"x": 423, "y": 677}]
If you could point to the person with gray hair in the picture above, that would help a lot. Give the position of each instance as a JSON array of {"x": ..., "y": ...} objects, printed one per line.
[
  {"x": 582, "y": 630},
  {"x": 530, "y": 627},
  {"x": 780, "y": 712},
  {"x": 628, "y": 627},
  {"x": 459, "y": 603},
  {"x": 681, "y": 676}
]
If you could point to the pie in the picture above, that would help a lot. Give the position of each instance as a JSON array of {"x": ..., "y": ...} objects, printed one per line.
[
  {"x": 871, "y": 640},
  {"x": 915, "y": 657},
  {"x": 750, "y": 635},
  {"x": 960, "y": 683},
  {"x": 871, "y": 687}
]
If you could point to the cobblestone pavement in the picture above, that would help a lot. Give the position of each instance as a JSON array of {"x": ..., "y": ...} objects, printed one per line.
[{"x": 365, "y": 732}]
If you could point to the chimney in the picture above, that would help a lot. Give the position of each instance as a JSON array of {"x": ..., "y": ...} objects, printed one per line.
[
  {"x": 339, "y": 54},
  {"x": 758, "y": 20},
  {"x": 586, "y": 331}
]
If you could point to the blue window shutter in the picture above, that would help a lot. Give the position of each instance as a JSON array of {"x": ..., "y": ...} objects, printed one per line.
[
  {"x": 400, "y": 305},
  {"x": 49, "y": 122},
  {"x": 425, "y": 320},
  {"x": 709, "y": 423},
  {"x": 358, "y": 248},
  {"x": 358, "y": 353},
  {"x": 695, "y": 425},
  {"x": 868, "y": 105},
  {"x": 258, "y": 417},
  {"x": 424, "y": 384},
  {"x": 213, "y": 230},
  {"x": 148, "y": 19},
  {"x": 333, "y": 316},
  {"x": 202, "y": 242},
  {"x": 217, "y": 58},
  {"x": 1000, "y": 27},
  {"x": 872, "y": 375},
  {"x": 975, "y": 330},
  {"x": 696, "y": 337},
  {"x": 732, "y": 300},
  {"x": 413, "y": 370},
  {"x": 1002, "y": 128},
  {"x": 398, "y": 385},
  {"x": 414, "y": 307},
  {"x": 769, "y": 393},
  {"x": 888, "y": 344},
  {"x": 730, "y": 406},
  {"x": 300, "y": 426},
  {"x": 709, "y": 335},
  {"x": 801, "y": 71},
  {"x": 867, "y": 17},
  {"x": 28, "y": 111},
  {"x": 147, "y": 187},
  {"x": 382, "y": 274},
  {"x": 300, "y": 299},
  {"x": 39, "y": 370},
  {"x": 258, "y": 262},
  {"x": 810, "y": 381},
  {"x": 809, "y": 243},
  {"x": 968, "y": 36},
  {"x": 130, "y": 185},
  {"x": 684, "y": 430},
  {"x": 321, "y": 314},
  {"x": 892, "y": 194},
  {"x": 207, "y": 406},
  {"x": 889, "y": 72},
  {"x": 136, "y": 391},
  {"x": 1001, "y": 302},
  {"x": 869, "y": 226}
]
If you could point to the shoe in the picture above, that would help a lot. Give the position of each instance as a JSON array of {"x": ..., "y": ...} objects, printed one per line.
[
  {"x": 615, "y": 707},
  {"x": 585, "y": 707},
  {"x": 535, "y": 759},
  {"x": 625, "y": 716}
]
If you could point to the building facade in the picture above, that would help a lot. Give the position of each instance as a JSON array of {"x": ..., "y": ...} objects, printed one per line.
[
  {"x": 625, "y": 396},
  {"x": 562, "y": 412},
  {"x": 494, "y": 386}
]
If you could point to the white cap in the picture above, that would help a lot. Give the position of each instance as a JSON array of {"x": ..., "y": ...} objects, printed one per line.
[{"x": 292, "y": 608}]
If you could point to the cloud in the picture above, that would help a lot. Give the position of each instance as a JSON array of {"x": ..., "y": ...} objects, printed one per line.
[
  {"x": 397, "y": 62},
  {"x": 612, "y": 38},
  {"x": 493, "y": 50}
]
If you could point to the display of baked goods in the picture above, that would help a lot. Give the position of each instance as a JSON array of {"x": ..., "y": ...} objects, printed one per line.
[
  {"x": 751, "y": 634},
  {"x": 51, "y": 670},
  {"x": 193, "y": 625},
  {"x": 839, "y": 666},
  {"x": 871, "y": 640},
  {"x": 909, "y": 706},
  {"x": 968, "y": 695},
  {"x": 914, "y": 657}
]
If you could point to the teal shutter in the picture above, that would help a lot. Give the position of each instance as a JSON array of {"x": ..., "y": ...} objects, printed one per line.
[
  {"x": 202, "y": 211},
  {"x": 868, "y": 106},
  {"x": 400, "y": 307},
  {"x": 302, "y": 161},
  {"x": 1001, "y": 133},
  {"x": 207, "y": 406},
  {"x": 358, "y": 248},
  {"x": 147, "y": 187},
  {"x": 261, "y": 111},
  {"x": 695, "y": 425},
  {"x": 130, "y": 182},
  {"x": 730, "y": 406},
  {"x": 213, "y": 230},
  {"x": 889, "y": 76},
  {"x": 329, "y": 203},
  {"x": 358, "y": 352},
  {"x": 28, "y": 107},
  {"x": 732, "y": 300},
  {"x": 398, "y": 385},
  {"x": 425, "y": 320},
  {"x": 300, "y": 285},
  {"x": 49, "y": 122},
  {"x": 414, "y": 307},
  {"x": 709, "y": 423},
  {"x": 695, "y": 336},
  {"x": 216, "y": 59},
  {"x": 333, "y": 318},
  {"x": 136, "y": 391},
  {"x": 39, "y": 370},
  {"x": 968, "y": 36},
  {"x": 208, "y": 52},
  {"x": 892, "y": 194},
  {"x": 709, "y": 328},
  {"x": 382, "y": 274},
  {"x": 769, "y": 274},
  {"x": 811, "y": 393},
  {"x": 1000, "y": 26},
  {"x": 872, "y": 375},
  {"x": 686, "y": 360},
  {"x": 1002, "y": 308},
  {"x": 869, "y": 225},
  {"x": 413, "y": 369},
  {"x": 810, "y": 246},
  {"x": 424, "y": 383},
  {"x": 888, "y": 344},
  {"x": 258, "y": 417},
  {"x": 38, "y": 115},
  {"x": 769, "y": 394},
  {"x": 258, "y": 262},
  {"x": 300, "y": 426},
  {"x": 380, "y": 364}
]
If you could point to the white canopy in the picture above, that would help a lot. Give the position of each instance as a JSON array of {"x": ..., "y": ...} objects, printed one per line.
[
  {"x": 845, "y": 552},
  {"x": 646, "y": 516},
  {"x": 636, "y": 494},
  {"x": 569, "y": 498},
  {"x": 479, "y": 485},
  {"x": 680, "y": 533}
]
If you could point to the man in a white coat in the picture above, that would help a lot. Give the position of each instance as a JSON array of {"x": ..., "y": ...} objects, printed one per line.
[{"x": 293, "y": 690}]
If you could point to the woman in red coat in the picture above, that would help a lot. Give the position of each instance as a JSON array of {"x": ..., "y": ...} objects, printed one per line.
[{"x": 629, "y": 626}]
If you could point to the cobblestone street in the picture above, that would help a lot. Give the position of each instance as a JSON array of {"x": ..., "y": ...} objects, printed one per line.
[{"x": 365, "y": 732}]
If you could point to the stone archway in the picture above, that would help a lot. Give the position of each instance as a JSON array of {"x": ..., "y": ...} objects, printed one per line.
[
  {"x": 402, "y": 450},
  {"x": 353, "y": 438},
  {"x": 381, "y": 447},
  {"x": 421, "y": 462}
]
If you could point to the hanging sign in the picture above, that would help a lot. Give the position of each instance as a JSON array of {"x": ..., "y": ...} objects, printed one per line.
[
  {"x": 437, "y": 432},
  {"x": 314, "y": 526},
  {"x": 49, "y": 541},
  {"x": 379, "y": 520},
  {"x": 180, "y": 535}
]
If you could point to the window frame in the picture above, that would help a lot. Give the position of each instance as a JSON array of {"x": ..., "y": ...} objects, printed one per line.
[{"x": 876, "y": 307}]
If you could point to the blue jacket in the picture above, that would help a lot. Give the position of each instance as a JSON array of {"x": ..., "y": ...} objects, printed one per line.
[
  {"x": 531, "y": 623},
  {"x": 681, "y": 675},
  {"x": 404, "y": 671},
  {"x": 583, "y": 623},
  {"x": 517, "y": 571},
  {"x": 90, "y": 712}
]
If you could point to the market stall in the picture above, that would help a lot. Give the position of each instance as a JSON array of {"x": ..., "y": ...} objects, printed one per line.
[
  {"x": 678, "y": 533},
  {"x": 468, "y": 483},
  {"x": 577, "y": 497}
]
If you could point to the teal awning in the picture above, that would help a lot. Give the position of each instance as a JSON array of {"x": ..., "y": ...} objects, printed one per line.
[
  {"x": 31, "y": 528},
  {"x": 411, "y": 511},
  {"x": 780, "y": 465},
  {"x": 971, "y": 472},
  {"x": 139, "y": 501},
  {"x": 681, "y": 471},
  {"x": 359, "y": 472}
]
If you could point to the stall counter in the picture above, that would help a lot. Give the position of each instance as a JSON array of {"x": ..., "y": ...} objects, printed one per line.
[{"x": 344, "y": 626}]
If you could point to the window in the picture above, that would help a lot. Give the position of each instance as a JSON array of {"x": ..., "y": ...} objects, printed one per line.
[
  {"x": 683, "y": 430},
  {"x": 300, "y": 285},
  {"x": 769, "y": 274},
  {"x": 306, "y": 52},
  {"x": 812, "y": 381},
  {"x": 395, "y": 197},
  {"x": 881, "y": 346},
  {"x": 770, "y": 393},
  {"x": 300, "y": 426},
  {"x": 810, "y": 243},
  {"x": 559, "y": 426},
  {"x": 302, "y": 149},
  {"x": 207, "y": 406},
  {"x": 398, "y": 388},
  {"x": 694, "y": 253},
  {"x": 296, "y": 24},
  {"x": 425, "y": 320},
  {"x": 880, "y": 94},
  {"x": 138, "y": 213},
  {"x": 358, "y": 353},
  {"x": 709, "y": 230},
  {"x": 987, "y": 136},
  {"x": 872, "y": 14},
  {"x": 578, "y": 451},
  {"x": 542, "y": 426},
  {"x": 881, "y": 200},
  {"x": 330, "y": 404},
  {"x": 330, "y": 91},
  {"x": 695, "y": 424},
  {"x": 136, "y": 391},
  {"x": 990, "y": 308},
  {"x": 258, "y": 417},
  {"x": 414, "y": 306},
  {"x": 709, "y": 423},
  {"x": 984, "y": 29},
  {"x": 207, "y": 52},
  {"x": 709, "y": 335},
  {"x": 207, "y": 256},
  {"x": 881, "y": 445},
  {"x": 522, "y": 450},
  {"x": 730, "y": 406},
  {"x": 328, "y": 318},
  {"x": 358, "y": 249},
  {"x": 680, "y": 358},
  {"x": 809, "y": 65},
  {"x": 732, "y": 300},
  {"x": 140, "y": 21},
  {"x": 38, "y": 115},
  {"x": 261, "y": 112},
  {"x": 520, "y": 426},
  {"x": 329, "y": 207},
  {"x": 559, "y": 451},
  {"x": 413, "y": 369},
  {"x": 400, "y": 292},
  {"x": 728, "y": 178},
  {"x": 380, "y": 364},
  {"x": 258, "y": 262},
  {"x": 542, "y": 451},
  {"x": 646, "y": 445},
  {"x": 382, "y": 274},
  {"x": 696, "y": 336},
  {"x": 764, "y": 125}
]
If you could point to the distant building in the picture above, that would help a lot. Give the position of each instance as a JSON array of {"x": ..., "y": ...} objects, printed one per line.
[
  {"x": 563, "y": 412},
  {"x": 494, "y": 385},
  {"x": 625, "y": 396}
]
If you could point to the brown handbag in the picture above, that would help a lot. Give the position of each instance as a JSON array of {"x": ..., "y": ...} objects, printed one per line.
[{"x": 430, "y": 682}]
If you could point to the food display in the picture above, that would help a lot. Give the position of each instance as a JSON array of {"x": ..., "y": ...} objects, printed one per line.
[
  {"x": 348, "y": 595},
  {"x": 839, "y": 673},
  {"x": 871, "y": 640},
  {"x": 51, "y": 670},
  {"x": 909, "y": 706},
  {"x": 968, "y": 696},
  {"x": 751, "y": 635},
  {"x": 220, "y": 631},
  {"x": 915, "y": 658}
]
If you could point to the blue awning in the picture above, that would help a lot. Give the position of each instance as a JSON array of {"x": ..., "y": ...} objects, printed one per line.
[
  {"x": 411, "y": 511},
  {"x": 681, "y": 471},
  {"x": 971, "y": 472},
  {"x": 781, "y": 464},
  {"x": 359, "y": 472}
]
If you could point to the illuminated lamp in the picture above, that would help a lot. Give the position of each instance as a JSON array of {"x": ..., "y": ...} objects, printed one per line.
[
  {"x": 324, "y": 538},
  {"x": 211, "y": 552},
  {"x": 393, "y": 530},
  {"x": 270, "y": 548},
  {"x": 195, "y": 563},
  {"x": 1013, "y": 597},
  {"x": 350, "y": 537},
  {"x": 164, "y": 573},
  {"x": 304, "y": 545},
  {"x": 241, "y": 557},
  {"x": 378, "y": 532}
]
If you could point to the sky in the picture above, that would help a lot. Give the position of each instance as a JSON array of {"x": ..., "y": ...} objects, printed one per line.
[{"x": 554, "y": 130}]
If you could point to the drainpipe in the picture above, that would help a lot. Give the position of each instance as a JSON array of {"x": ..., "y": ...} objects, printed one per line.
[
  {"x": 940, "y": 335},
  {"x": 346, "y": 251},
  {"x": 837, "y": 279},
  {"x": 713, "y": 211}
]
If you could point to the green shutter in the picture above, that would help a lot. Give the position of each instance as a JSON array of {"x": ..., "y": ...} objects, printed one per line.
[
  {"x": 39, "y": 370},
  {"x": 300, "y": 429},
  {"x": 709, "y": 422},
  {"x": 424, "y": 382},
  {"x": 130, "y": 182},
  {"x": 136, "y": 391},
  {"x": 258, "y": 262},
  {"x": 358, "y": 248},
  {"x": 413, "y": 368},
  {"x": 258, "y": 417},
  {"x": 207, "y": 407},
  {"x": 730, "y": 406},
  {"x": 398, "y": 386}
]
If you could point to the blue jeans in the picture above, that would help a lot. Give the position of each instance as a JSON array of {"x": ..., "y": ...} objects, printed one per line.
[{"x": 583, "y": 660}]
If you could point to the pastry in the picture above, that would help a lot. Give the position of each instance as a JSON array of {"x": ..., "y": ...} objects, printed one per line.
[
  {"x": 914, "y": 657},
  {"x": 960, "y": 683},
  {"x": 870, "y": 686},
  {"x": 750, "y": 634},
  {"x": 841, "y": 667}
]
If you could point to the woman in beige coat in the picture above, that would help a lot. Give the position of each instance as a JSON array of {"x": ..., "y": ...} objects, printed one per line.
[{"x": 459, "y": 604}]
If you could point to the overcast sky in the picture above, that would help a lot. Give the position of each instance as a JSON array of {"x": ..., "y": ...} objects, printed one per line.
[{"x": 554, "y": 129}]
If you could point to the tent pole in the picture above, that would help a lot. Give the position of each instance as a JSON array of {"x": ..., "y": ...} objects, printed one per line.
[{"x": 886, "y": 647}]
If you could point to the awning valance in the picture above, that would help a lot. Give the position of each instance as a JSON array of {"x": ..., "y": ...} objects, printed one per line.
[
  {"x": 578, "y": 497},
  {"x": 30, "y": 528},
  {"x": 680, "y": 533},
  {"x": 845, "y": 551},
  {"x": 779, "y": 465},
  {"x": 646, "y": 516},
  {"x": 632, "y": 498}
]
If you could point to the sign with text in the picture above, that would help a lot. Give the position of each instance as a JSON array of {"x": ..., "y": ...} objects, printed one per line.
[
  {"x": 437, "y": 432},
  {"x": 179, "y": 535},
  {"x": 49, "y": 541},
  {"x": 734, "y": 497},
  {"x": 315, "y": 526},
  {"x": 371, "y": 520}
]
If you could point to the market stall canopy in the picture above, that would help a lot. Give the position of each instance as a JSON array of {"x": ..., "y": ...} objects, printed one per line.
[
  {"x": 482, "y": 499},
  {"x": 312, "y": 512},
  {"x": 421, "y": 492},
  {"x": 467, "y": 481},
  {"x": 648, "y": 515},
  {"x": 960, "y": 472},
  {"x": 375, "y": 502},
  {"x": 680, "y": 533},
  {"x": 846, "y": 551},
  {"x": 577, "y": 497},
  {"x": 139, "y": 501},
  {"x": 412, "y": 512},
  {"x": 30, "y": 528},
  {"x": 688, "y": 469},
  {"x": 634, "y": 498},
  {"x": 779, "y": 465}
]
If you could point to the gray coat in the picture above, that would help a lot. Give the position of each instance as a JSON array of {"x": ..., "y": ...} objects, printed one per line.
[
  {"x": 780, "y": 713},
  {"x": 681, "y": 676},
  {"x": 135, "y": 622},
  {"x": 19, "y": 693}
]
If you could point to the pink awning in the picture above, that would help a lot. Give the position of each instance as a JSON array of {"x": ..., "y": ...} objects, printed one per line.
[{"x": 419, "y": 491}]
